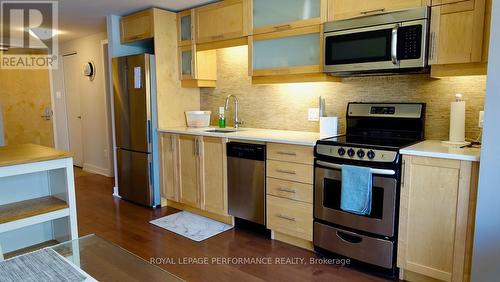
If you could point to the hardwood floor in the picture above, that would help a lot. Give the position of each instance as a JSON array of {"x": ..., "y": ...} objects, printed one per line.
[{"x": 127, "y": 225}]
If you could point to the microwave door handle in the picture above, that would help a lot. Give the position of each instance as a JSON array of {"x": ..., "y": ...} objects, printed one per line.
[{"x": 394, "y": 45}]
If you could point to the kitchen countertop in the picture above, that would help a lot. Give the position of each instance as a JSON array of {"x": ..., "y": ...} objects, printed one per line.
[
  {"x": 253, "y": 134},
  {"x": 29, "y": 153},
  {"x": 437, "y": 149}
]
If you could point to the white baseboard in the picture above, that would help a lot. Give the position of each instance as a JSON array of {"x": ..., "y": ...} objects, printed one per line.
[
  {"x": 98, "y": 170},
  {"x": 115, "y": 192}
]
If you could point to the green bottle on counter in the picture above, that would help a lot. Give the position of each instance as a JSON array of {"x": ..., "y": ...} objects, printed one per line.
[{"x": 222, "y": 118}]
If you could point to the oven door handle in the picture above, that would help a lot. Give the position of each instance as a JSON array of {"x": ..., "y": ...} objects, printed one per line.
[{"x": 374, "y": 170}]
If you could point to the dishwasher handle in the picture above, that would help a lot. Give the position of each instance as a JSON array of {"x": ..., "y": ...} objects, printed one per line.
[{"x": 246, "y": 151}]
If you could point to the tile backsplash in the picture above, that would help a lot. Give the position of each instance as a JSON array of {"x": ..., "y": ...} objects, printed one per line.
[{"x": 285, "y": 106}]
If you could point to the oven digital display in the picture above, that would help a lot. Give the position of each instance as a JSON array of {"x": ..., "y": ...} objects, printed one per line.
[{"x": 383, "y": 110}]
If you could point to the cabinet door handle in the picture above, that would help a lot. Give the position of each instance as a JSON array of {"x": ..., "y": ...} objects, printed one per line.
[
  {"x": 282, "y": 27},
  {"x": 373, "y": 11},
  {"x": 220, "y": 36},
  {"x": 286, "y": 171},
  {"x": 287, "y": 190},
  {"x": 287, "y": 153},
  {"x": 403, "y": 171},
  {"x": 432, "y": 43},
  {"x": 285, "y": 217}
]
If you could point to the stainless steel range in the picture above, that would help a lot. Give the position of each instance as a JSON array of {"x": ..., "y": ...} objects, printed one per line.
[{"x": 375, "y": 132}]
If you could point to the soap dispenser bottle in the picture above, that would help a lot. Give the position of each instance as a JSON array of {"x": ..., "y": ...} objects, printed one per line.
[{"x": 222, "y": 118}]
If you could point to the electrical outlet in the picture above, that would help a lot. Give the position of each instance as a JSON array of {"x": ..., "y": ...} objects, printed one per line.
[
  {"x": 481, "y": 119},
  {"x": 313, "y": 114}
]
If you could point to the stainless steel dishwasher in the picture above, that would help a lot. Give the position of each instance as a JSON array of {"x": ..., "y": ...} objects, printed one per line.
[{"x": 246, "y": 173}]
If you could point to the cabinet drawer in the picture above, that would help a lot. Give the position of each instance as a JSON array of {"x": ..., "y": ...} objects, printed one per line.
[
  {"x": 290, "y": 190},
  {"x": 290, "y": 171},
  {"x": 290, "y": 153},
  {"x": 290, "y": 217}
]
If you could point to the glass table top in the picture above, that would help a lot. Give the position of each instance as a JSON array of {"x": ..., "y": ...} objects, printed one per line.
[{"x": 105, "y": 261}]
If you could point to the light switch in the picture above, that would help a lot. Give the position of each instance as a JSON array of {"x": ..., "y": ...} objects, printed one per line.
[
  {"x": 313, "y": 114},
  {"x": 58, "y": 95},
  {"x": 481, "y": 119}
]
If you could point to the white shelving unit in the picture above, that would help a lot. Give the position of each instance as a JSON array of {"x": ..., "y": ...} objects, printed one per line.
[{"x": 37, "y": 199}]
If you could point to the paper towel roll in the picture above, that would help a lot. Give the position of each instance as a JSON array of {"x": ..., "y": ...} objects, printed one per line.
[
  {"x": 328, "y": 127},
  {"x": 457, "y": 122}
]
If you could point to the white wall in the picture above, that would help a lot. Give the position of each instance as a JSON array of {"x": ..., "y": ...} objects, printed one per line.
[
  {"x": 486, "y": 258},
  {"x": 95, "y": 123}
]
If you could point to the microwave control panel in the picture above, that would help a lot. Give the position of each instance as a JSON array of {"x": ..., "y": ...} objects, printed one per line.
[{"x": 410, "y": 42}]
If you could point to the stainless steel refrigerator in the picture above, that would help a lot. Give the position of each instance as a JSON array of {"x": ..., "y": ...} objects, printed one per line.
[{"x": 135, "y": 129}]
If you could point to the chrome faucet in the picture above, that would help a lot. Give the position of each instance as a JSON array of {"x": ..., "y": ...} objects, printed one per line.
[{"x": 237, "y": 121}]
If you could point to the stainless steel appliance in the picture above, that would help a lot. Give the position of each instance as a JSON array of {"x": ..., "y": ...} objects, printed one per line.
[
  {"x": 135, "y": 124},
  {"x": 383, "y": 43},
  {"x": 375, "y": 133},
  {"x": 246, "y": 174}
]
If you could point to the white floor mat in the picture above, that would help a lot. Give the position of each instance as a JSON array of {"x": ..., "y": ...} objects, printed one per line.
[{"x": 192, "y": 226}]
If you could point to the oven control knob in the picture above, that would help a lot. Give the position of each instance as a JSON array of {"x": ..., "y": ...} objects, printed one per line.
[
  {"x": 341, "y": 151},
  {"x": 361, "y": 153},
  {"x": 351, "y": 152},
  {"x": 370, "y": 154}
]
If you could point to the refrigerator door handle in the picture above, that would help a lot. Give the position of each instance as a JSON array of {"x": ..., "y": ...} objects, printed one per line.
[
  {"x": 149, "y": 133},
  {"x": 151, "y": 173}
]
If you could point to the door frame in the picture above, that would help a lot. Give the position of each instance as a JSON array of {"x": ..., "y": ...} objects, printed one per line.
[
  {"x": 108, "y": 107},
  {"x": 70, "y": 53}
]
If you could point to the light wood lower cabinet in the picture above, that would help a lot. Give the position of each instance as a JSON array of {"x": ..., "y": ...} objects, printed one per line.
[
  {"x": 189, "y": 170},
  {"x": 214, "y": 175},
  {"x": 194, "y": 172},
  {"x": 290, "y": 175},
  {"x": 438, "y": 199},
  {"x": 169, "y": 159},
  {"x": 290, "y": 217}
]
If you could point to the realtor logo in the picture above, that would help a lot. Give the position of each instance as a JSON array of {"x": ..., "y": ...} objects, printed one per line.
[{"x": 29, "y": 34}]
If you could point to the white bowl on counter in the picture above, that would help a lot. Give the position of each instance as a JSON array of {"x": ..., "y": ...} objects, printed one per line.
[{"x": 198, "y": 118}]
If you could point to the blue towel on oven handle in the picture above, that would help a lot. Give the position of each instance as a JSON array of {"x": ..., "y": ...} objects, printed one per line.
[{"x": 356, "y": 194}]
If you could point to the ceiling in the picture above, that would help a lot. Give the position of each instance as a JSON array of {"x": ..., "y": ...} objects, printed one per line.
[{"x": 78, "y": 18}]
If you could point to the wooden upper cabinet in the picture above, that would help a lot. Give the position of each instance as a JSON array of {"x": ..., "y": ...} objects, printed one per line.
[
  {"x": 279, "y": 15},
  {"x": 344, "y": 9},
  {"x": 222, "y": 21},
  {"x": 138, "y": 26},
  {"x": 189, "y": 150},
  {"x": 169, "y": 166},
  {"x": 295, "y": 51},
  {"x": 185, "y": 27},
  {"x": 197, "y": 68},
  {"x": 457, "y": 33},
  {"x": 444, "y": 2},
  {"x": 214, "y": 175},
  {"x": 437, "y": 214}
]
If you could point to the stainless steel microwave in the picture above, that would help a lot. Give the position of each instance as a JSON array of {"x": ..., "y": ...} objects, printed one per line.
[{"x": 383, "y": 43}]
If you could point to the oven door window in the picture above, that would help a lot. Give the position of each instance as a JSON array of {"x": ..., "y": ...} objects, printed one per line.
[
  {"x": 332, "y": 195},
  {"x": 362, "y": 47}
]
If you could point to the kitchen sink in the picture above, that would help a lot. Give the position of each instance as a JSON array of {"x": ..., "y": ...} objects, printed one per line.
[{"x": 222, "y": 130}]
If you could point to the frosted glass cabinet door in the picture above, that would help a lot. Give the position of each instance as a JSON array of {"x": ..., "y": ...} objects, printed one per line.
[
  {"x": 287, "y": 52},
  {"x": 187, "y": 63},
  {"x": 185, "y": 27},
  {"x": 278, "y": 14}
]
